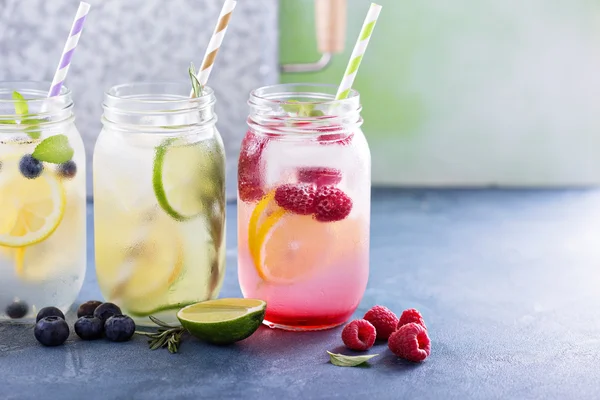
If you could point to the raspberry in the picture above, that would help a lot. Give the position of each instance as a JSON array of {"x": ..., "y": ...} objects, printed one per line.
[
  {"x": 411, "y": 315},
  {"x": 410, "y": 342},
  {"x": 332, "y": 204},
  {"x": 249, "y": 174},
  {"x": 384, "y": 321},
  {"x": 359, "y": 335},
  {"x": 320, "y": 175},
  {"x": 297, "y": 198}
]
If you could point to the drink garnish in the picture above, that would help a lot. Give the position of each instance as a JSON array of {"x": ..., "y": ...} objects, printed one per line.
[{"x": 342, "y": 360}]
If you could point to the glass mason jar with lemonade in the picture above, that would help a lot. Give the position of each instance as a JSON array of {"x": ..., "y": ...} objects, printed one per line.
[
  {"x": 42, "y": 201},
  {"x": 159, "y": 199}
]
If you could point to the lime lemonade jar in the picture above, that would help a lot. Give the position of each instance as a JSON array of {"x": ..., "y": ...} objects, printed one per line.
[
  {"x": 42, "y": 201},
  {"x": 304, "y": 180},
  {"x": 159, "y": 199}
]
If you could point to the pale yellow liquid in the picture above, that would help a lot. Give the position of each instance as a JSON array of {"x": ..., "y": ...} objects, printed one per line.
[
  {"x": 147, "y": 262},
  {"x": 51, "y": 272}
]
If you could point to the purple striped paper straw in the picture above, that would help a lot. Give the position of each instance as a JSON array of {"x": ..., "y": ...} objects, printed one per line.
[{"x": 67, "y": 54}]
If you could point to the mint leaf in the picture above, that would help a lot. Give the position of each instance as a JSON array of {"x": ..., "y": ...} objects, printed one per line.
[
  {"x": 33, "y": 129},
  {"x": 293, "y": 108},
  {"x": 342, "y": 360},
  {"x": 301, "y": 109},
  {"x": 54, "y": 150},
  {"x": 196, "y": 85},
  {"x": 21, "y": 107}
]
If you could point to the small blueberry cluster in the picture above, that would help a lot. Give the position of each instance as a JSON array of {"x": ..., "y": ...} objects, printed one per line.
[{"x": 95, "y": 320}]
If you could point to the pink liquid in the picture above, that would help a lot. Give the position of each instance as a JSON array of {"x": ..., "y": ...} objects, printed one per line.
[{"x": 323, "y": 297}]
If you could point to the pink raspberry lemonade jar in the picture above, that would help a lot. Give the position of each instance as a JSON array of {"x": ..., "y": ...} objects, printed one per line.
[{"x": 304, "y": 189}]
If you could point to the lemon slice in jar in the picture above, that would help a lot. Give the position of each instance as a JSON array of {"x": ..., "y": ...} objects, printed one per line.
[
  {"x": 30, "y": 209},
  {"x": 139, "y": 259},
  {"x": 287, "y": 247}
]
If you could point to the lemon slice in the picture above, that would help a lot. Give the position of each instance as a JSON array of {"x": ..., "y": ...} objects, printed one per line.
[
  {"x": 139, "y": 259},
  {"x": 223, "y": 321},
  {"x": 183, "y": 176},
  {"x": 30, "y": 209},
  {"x": 287, "y": 247}
]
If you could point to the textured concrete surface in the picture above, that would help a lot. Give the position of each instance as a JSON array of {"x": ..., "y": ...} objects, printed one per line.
[
  {"x": 508, "y": 282},
  {"x": 142, "y": 41}
]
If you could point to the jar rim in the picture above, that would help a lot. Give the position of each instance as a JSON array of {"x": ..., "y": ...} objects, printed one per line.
[
  {"x": 157, "y": 93},
  {"x": 284, "y": 94},
  {"x": 152, "y": 106},
  {"x": 37, "y": 88}
]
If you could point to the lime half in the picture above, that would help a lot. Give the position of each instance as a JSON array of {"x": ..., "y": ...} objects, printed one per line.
[
  {"x": 223, "y": 321},
  {"x": 177, "y": 178}
]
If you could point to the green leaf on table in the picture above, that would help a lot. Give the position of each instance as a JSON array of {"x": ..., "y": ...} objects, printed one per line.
[
  {"x": 196, "y": 85},
  {"x": 55, "y": 150},
  {"x": 342, "y": 360},
  {"x": 22, "y": 109}
]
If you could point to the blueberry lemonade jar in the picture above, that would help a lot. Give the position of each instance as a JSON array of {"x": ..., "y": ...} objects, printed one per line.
[
  {"x": 42, "y": 201},
  {"x": 304, "y": 182},
  {"x": 159, "y": 199}
]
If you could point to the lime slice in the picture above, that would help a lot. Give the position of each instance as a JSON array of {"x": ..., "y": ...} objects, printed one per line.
[
  {"x": 223, "y": 321},
  {"x": 183, "y": 177}
]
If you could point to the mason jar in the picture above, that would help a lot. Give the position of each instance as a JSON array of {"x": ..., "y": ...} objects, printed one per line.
[
  {"x": 304, "y": 183},
  {"x": 159, "y": 199},
  {"x": 42, "y": 201}
]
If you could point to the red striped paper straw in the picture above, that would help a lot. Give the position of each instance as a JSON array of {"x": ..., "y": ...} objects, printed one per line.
[{"x": 67, "y": 54}]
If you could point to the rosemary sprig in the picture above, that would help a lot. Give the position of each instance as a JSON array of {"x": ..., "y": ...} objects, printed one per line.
[
  {"x": 168, "y": 336},
  {"x": 196, "y": 85}
]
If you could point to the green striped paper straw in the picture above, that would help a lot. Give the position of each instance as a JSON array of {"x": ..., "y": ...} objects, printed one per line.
[{"x": 358, "y": 52}]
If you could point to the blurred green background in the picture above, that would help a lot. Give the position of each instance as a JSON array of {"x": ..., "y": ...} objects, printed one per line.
[{"x": 470, "y": 93}]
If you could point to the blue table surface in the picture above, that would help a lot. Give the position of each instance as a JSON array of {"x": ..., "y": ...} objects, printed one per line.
[{"x": 508, "y": 282}]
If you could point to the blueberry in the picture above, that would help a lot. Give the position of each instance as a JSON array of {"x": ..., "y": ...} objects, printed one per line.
[
  {"x": 51, "y": 331},
  {"x": 88, "y": 308},
  {"x": 106, "y": 310},
  {"x": 17, "y": 309},
  {"x": 119, "y": 328},
  {"x": 68, "y": 170},
  {"x": 89, "y": 327},
  {"x": 49, "y": 312},
  {"x": 30, "y": 167}
]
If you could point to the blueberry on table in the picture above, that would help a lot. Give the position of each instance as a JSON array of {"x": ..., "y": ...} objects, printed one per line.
[
  {"x": 68, "y": 170},
  {"x": 88, "y": 308},
  {"x": 49, "y": 312},
  {"x": 89, "y": 327},
  {"x": 51, "y": 331},
  {"x": 106, "y": 310},
  {"x": 30, "y": 167},
  {"x": 119, "y": 328},
  {"x": 17, "y": 309}
]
